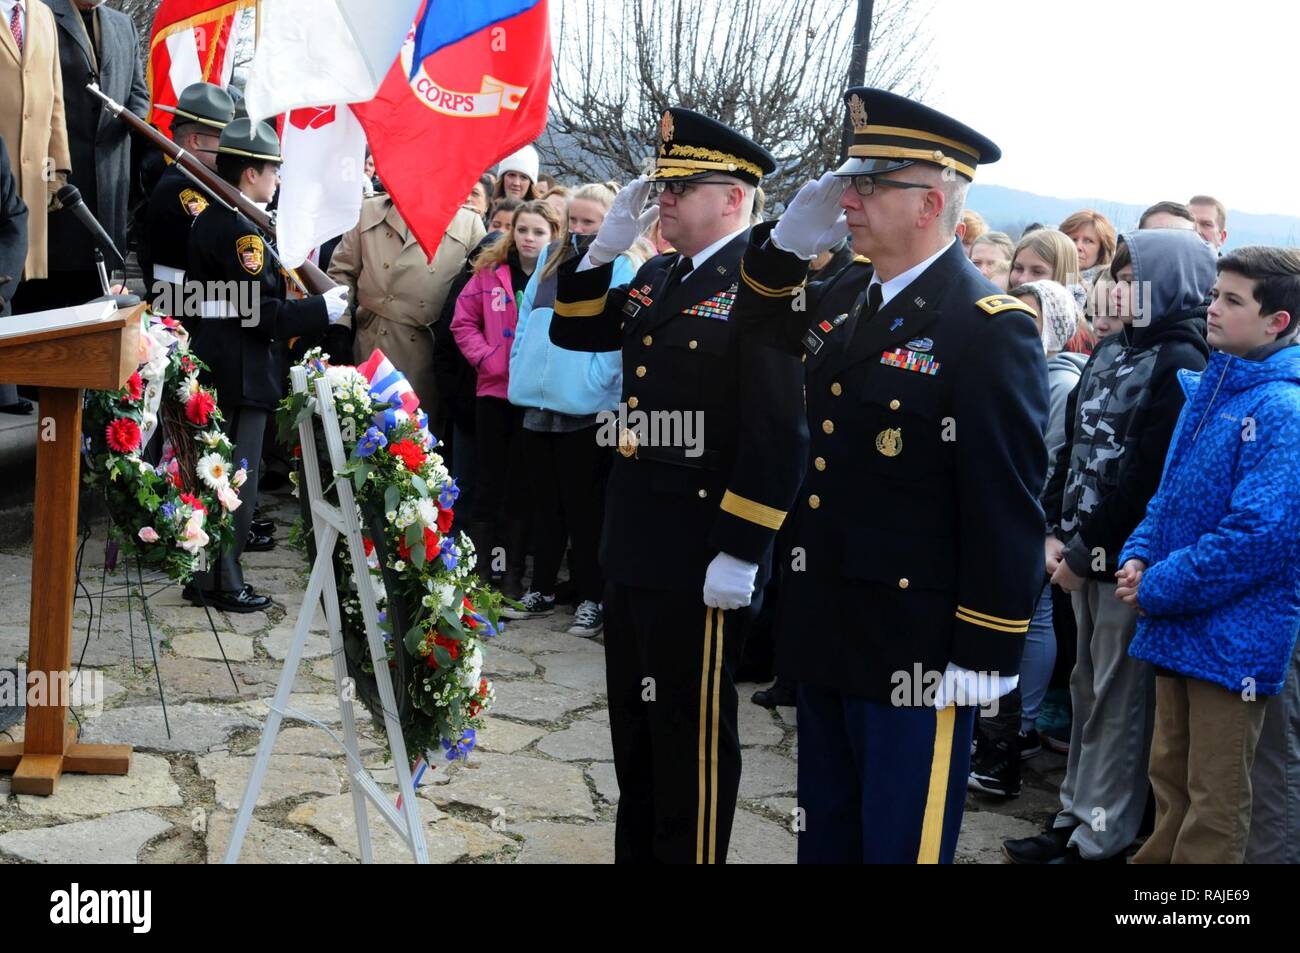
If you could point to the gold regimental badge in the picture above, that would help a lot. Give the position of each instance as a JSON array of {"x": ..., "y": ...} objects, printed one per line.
[
  {"x": 628, "y": 442},
  {"x": 890, "y": 442}
]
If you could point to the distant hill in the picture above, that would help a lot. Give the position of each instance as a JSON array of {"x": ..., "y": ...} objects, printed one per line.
[{"x": 1010, "y": 210}]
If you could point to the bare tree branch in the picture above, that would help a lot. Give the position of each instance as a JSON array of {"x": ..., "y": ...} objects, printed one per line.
[{"x": 772, "y": 68}]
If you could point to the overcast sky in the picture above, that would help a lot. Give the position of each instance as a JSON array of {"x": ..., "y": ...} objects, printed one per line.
[{"x": 1128, "y": 100}]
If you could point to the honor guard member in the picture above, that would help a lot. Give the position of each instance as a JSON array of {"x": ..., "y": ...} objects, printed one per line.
[
  {"x": 917, "y": 533},
  {"x": 244, "y": 315},
  {"x": 202, "y": 111},
  {"x": 691, "y": 513}
]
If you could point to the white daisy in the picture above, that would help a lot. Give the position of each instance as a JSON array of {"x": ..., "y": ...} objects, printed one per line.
[{"x": 213, "y": 470}]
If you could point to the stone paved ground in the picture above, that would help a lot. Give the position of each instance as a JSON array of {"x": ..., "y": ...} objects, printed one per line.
[{"x": 540, "y": 788}]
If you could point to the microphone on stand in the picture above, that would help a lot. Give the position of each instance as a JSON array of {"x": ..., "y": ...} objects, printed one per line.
[{"x": 70, "y": 198}]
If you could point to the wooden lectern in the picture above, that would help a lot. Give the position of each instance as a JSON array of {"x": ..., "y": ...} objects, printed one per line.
[{"x": 90, "y": 346}]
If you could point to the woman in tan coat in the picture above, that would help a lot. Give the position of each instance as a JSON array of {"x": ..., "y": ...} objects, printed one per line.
[
  {"x": 31, "y": 118},
  {"x": 398, "y": 293}
]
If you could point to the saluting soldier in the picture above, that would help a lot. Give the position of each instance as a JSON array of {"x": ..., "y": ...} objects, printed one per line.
[
  {"x": 244, "y": 314},
  {"x": 690, "y": 521},
  {"x": 201, "y": 112},
  {"x": 917, "y": 535}
]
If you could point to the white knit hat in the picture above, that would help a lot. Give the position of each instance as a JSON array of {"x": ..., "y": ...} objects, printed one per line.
[
  {"x": 524, "y": 161},
  {"x": 1059, "y": 308}
]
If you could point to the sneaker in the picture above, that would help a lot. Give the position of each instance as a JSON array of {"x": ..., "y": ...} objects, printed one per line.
[
  {"x": 1040, "y": 849},
  {"x": 1057, "y": 739},
  {"x": 533, "y": 605},
  {"x": 1030, "y": 744},
  {"x": 588, "y": 620},
  {"x": 996, "y": 771}
]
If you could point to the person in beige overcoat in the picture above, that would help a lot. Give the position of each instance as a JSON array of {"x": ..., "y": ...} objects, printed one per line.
[
  {"x": 31, "y": 119},
  {"x": 398, "y": 293}
]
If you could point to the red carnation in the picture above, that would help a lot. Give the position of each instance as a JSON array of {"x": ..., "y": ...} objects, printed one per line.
[
  {"x": 123, "y": 435},
  {"x": 199, "y": 407},
  {"x": 432, "y": 542},
  {"x": 482, "y": 688},
  {"x": 409, "y": 453},
  {"x": 451, "y": 645},
  {"x": 187, "y": 365},
  {"x": 193, "y": 501},
  {"x": 403, "y": 551},
  {"x": 445, "y": 518},
  {"x": 369, "y": 546},
  {"x": 134, "y": 388}
]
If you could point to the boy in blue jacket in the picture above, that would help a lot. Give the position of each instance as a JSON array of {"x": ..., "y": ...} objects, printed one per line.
[{"x": 1213, "y": 569}]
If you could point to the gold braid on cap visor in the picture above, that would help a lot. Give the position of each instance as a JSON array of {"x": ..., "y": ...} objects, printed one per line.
[{"x": 701, "y": 158}]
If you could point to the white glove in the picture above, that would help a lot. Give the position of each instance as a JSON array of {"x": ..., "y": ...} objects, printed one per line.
[
  {"x": 626, "y": 219},
  {"x": 961, "y": 686},
  {"x": 813, "y": 221},
  {"x": 729, "y": 582},
  {"x": 336, "y": 302}
]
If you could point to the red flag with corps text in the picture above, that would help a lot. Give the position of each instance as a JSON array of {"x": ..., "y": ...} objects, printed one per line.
[{"x": 470, "y": 105}]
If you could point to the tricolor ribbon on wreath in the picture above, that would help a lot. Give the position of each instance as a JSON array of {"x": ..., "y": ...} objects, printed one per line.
[{"x": 390, "y": 386}]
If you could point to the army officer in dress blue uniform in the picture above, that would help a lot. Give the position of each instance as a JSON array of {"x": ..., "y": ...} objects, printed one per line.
[
  {"x": 689, "y": 527},
  {"x": 917, "y": 532},
  {"x": 226, "y": 251}
]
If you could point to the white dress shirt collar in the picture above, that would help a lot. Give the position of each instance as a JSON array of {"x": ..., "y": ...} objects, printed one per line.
[
  {"x": 888, "y": 289},
  {"x": 698, "y": 259}
]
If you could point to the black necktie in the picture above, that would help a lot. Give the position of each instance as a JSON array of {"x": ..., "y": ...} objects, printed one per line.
[
  {"x": 874, "y": 294},
  {"x": 683, "y": 267}
]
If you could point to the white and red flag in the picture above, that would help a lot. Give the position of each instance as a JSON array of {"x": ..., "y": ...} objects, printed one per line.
[
  {"x": 324, "y": 149},
  {"x": 192, "y": 41}
]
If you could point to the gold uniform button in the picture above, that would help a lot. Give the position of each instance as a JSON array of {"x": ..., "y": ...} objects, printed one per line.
[
  {"x": 693, "y": 345},
  {"x": 640, "y": 371},
  {"x": 704, "y": 494},
  {"x": 647, "y": 340},
  {"x": 903, "y": 584},
  {"x": 820, "y": 463},
  {"x": 828, "y": 426},
  {"x": 894, "y": 405},
  {"x": 836, "y": 389},
  {"x": 814, "y": 501},
  {"x": 632, "y": 402}
]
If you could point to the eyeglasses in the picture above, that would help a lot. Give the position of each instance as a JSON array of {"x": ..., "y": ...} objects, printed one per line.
[
  {"x": 866, "y": 184},
  {"x": 681, "y": 188}
]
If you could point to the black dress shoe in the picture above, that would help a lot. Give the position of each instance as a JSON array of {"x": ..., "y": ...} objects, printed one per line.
[
  {"x": 20, "y": 408},
  {"x": 238, "y": 600},
  {"x": 257, "y": 543},
  {"x": 779, "y": 695},
  {"x": 261, "y": 527},
  {"x": 1043, "y": 848}
]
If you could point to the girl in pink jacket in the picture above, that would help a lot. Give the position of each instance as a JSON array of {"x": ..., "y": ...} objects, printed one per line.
[{"x": 484, "y": 329}]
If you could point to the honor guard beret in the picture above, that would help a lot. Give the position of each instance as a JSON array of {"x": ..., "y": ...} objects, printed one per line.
[
  {"x": 203, "y": 103},
  {"x": 892, "y": 132},
  {"x": 250, "y": 140},
  {"x": 692, "y": 146}
]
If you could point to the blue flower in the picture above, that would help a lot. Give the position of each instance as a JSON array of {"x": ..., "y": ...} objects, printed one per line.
[
  {"x": 450, "y": 555},
  {"x": 168, "y": 509},
  {"x": 450, "y": 493},
  {"x": 382, "y": 615},
  {"x": 243, "y": 463},
  {"x": 460, "y": 749},
  {"x": 371, "y": 441}
]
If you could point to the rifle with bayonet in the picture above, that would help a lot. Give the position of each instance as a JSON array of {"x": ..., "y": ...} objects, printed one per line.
[{"x": 312, "y": 279}]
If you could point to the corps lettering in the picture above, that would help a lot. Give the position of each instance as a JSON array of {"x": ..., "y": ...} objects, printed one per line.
[{"x": 444, "y": 99}]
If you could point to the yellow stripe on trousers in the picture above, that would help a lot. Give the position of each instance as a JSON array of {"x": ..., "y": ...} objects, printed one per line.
[
  {"x": 703, "y": 729},
  {"x": 936, "y": 801},
  {"x": 713, "y": 760}
]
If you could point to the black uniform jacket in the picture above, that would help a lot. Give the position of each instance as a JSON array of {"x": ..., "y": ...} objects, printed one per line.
[
  {"x": 717, "y": 440},
  {"x": 228, "y": 258},
  {"x": 918, "y": 536}
]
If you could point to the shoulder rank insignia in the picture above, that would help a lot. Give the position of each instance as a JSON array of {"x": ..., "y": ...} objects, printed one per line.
[
  {"x": 996, "y": 304},
  {"x": 861, "y": 260},
  {"x": 251, "y": 253},
  {"x": 193, "y": 202}
]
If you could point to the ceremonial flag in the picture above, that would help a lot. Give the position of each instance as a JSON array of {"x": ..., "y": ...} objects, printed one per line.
[
  {"x": 189, "y": 43},
  {"x": 435, "y": 125},
  {"x": 313, "y": 52},
  {"x": 446, "y": 23},
  {"x": 324, "y": 150}
]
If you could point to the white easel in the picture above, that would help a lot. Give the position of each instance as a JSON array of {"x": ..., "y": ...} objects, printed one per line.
[{"x": 328, "y": 523}]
